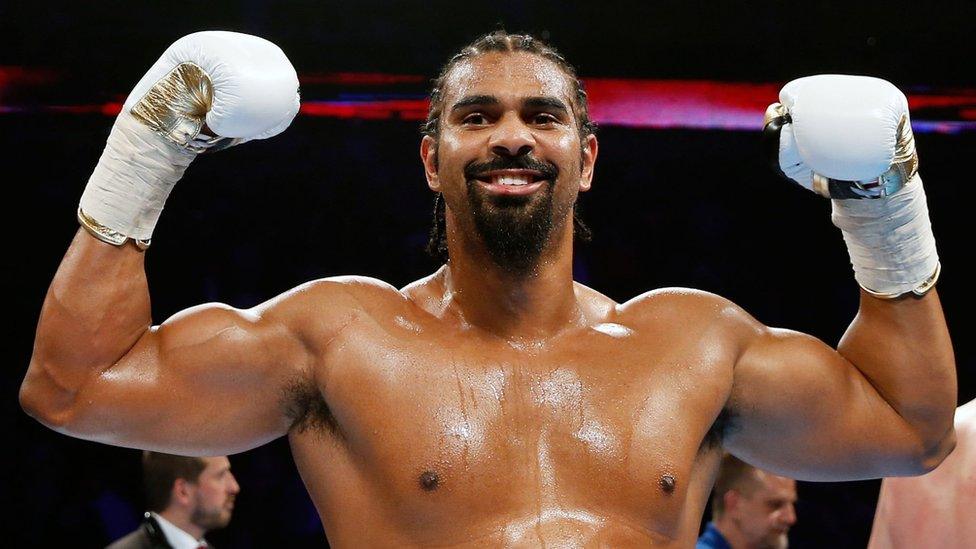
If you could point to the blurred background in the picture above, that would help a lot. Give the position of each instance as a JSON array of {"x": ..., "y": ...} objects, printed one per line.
[{"x": 682, "y": 194}]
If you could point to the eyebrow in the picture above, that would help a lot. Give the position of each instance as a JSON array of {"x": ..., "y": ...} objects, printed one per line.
[
  {"x": 546, "y": 102},
  {"x": 473, "y": 100},
  {"x": 531, "y": 102}
]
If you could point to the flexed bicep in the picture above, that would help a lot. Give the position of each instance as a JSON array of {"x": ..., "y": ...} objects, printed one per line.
[
  {"x": 803, "y": 410},
  {"x": 881, "y": 403},
  {"x": 207, "y": 381},
  {"x": 99, "y": 369}
]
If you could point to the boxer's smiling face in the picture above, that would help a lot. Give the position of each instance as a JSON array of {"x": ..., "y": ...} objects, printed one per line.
[{"x": 509, "y": 158}]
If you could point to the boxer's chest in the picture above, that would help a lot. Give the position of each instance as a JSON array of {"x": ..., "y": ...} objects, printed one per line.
[{"x": 485, "y": 425}]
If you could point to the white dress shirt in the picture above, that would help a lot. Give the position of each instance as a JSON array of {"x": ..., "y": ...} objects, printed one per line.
[{"x": 176, "y": 537}]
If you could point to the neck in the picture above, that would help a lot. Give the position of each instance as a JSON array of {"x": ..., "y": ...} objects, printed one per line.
[
  {"x": 518, "y": 306},
  {"x": 181, "y": 519}
]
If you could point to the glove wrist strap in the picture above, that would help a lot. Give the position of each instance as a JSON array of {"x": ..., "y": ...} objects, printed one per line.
[
  {"x": 921, "y": 290},
  {"x": 107, "y": 235}
]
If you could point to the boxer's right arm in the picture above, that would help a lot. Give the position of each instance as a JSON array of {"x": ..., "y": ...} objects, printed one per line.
[{"x": 209, "y": 380}]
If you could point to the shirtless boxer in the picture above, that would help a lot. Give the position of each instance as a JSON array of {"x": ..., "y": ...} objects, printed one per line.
[
  {"x": 496, "y": 401},
  {"x": 937, "y": 509}
]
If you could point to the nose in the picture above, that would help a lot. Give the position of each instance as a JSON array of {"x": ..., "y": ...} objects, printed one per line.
[
  {"x": 234, "y": 488},
  {"x": 511, "y": 137},
  {"x": 789, "y": 515}
]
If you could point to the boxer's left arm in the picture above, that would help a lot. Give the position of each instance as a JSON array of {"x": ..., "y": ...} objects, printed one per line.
[{"x": 882, "y": 403}]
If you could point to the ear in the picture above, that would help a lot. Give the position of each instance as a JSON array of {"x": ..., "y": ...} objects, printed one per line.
[
  {"x": 732, "y": 500},
  {"x": 428, "y": 154},
  {"x": 182, "y": 492},
  {"x": 590, "y": 149}
]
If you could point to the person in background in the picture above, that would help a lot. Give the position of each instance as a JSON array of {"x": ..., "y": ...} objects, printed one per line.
[
  {"x": 186, "y": 497},
  {"x": 751, "y": 509},
  {"x": 935, "y": 509}
]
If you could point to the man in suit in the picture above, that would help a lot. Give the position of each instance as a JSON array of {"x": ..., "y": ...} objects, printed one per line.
[{"x": 186, "y": 497}]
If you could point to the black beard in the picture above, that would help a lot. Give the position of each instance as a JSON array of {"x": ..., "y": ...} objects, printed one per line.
[{"x": 514, "y": 229}]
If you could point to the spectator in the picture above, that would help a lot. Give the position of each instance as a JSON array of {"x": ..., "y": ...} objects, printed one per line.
[
  {"x": 751, "y": 509},
  {"x": 186, "y": 497}
]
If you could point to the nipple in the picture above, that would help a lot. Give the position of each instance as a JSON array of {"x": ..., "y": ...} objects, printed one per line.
[
  {"x": 667, "y": 483},
  {"x": 429, "y": 481}
]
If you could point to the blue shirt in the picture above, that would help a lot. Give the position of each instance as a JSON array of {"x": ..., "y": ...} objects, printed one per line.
[{"x": 711, "y": 538}]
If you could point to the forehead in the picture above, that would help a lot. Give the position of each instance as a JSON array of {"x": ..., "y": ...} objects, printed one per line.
[
  {"x": 778, "y": 486},
  {"x": 216, "y": 463},
  {"x": 504, "y": 74}
]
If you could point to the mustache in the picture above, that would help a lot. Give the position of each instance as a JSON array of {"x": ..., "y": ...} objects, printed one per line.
[{"x": 476, "y": 169}]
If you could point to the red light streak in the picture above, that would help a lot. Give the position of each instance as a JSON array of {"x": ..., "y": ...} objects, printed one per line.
[{"x": 694, "y": 104}]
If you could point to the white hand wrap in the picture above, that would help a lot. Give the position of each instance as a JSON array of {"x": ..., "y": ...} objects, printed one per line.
[
  {"x": 133, "y": 178},
  {"x": 890, "y": 241},
  {"x": 242, "y": 87},
  {"x": 850, "y": 138}
]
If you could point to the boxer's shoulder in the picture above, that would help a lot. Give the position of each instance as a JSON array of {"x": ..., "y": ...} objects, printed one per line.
[
  {"x": 323, "y": 306},
  {"x": 349, "y": 291},
  {"x": 686, "y": 307},
  {"x": 676, "y": 297}
]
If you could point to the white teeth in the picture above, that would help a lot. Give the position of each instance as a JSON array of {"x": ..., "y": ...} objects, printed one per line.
[{"x": 511, "y": 180}]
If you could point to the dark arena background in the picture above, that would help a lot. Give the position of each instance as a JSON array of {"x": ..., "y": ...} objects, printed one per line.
[{"x": 682, "y": 194}]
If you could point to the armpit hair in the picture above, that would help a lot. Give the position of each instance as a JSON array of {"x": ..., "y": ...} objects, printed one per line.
[
  {"x": 721, "y": 427},
  {"x": 304, "y": 404}
]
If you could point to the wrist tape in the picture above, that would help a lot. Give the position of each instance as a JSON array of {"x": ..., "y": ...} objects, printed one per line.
[
  {"x": 890, "y": 241},
  {"x": 134, "y": 176}
]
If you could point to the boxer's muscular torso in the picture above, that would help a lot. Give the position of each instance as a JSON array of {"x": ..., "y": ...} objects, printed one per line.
[
  {"x": 416, "y": 429},
  {"x": 412, "y": 427}
]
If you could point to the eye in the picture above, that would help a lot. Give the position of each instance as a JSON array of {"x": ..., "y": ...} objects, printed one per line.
[
  {"x": 543, "y": 118},
  {"x": 475, "y": 118}
]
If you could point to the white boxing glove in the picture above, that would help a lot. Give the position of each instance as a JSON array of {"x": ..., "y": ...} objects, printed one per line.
[
  {"x": 237, "y": 86},
  {"x": 849, "y": 138}
]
